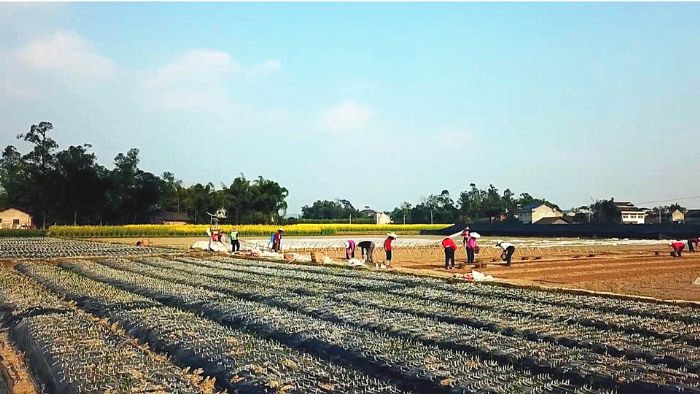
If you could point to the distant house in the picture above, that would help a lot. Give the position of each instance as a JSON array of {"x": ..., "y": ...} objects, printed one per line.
[
  {"x": 379, "y": 217},
  {"x": 169, "y": 218},
  {"x": 382, "y": 218},
  {"x": 14, "y": 218},
  {"x": 692, "y": 216},
  {"x": 535, "y": 212},
  {"x": 677, "y": 216},
  {"x": 555, "y": 220},
  {"x": 629, "y": 214}
]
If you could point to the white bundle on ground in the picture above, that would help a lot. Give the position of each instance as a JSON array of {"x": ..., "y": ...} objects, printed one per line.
[
  {"x": 213, "y": 246},
  {"x": 355, "y": 263},
  {"x": 480, "y": 277}
]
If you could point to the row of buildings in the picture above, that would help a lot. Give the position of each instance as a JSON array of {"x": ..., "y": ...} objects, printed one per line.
[
  {"x": 543, "y": 213},
  {"x": 537, "y": 213}
]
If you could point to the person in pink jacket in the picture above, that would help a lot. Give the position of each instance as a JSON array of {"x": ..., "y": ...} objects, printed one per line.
[{"x": 471, "y": 246}]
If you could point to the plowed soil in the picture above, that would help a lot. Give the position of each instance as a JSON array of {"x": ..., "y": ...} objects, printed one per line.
[{"x": 661, "y": 277}]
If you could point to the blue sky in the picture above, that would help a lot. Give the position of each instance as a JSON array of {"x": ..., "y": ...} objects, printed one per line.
[{"x": 376, "y": 103}]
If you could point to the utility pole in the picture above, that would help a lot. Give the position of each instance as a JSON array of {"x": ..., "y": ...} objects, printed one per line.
[
  {"x": 350, "y": 218},
  {"x": 404, "y": 218},
  {"x": 431, "y": 216}
]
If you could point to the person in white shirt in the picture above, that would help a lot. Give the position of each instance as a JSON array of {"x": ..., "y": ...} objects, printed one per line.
[{"x": 508, "y": 250}]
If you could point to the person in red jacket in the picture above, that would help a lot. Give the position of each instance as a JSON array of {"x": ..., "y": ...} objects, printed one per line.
[
  {"x": 388, "y": 248},
  {"x": 450, "y": 248},
  {"x": 277, "y": 240},
  {"x": 677, "y": 248}
]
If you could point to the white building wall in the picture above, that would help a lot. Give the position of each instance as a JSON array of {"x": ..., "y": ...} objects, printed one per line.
[
  {"x": 543, "y": 211},
  {"x": 633, "y": 217}
]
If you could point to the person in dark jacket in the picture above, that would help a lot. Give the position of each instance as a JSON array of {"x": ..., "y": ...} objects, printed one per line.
[
  {"x": 235, "y": 243},
  {"x": 508, "y": 251},
  {"x": 367, "y": 250}
]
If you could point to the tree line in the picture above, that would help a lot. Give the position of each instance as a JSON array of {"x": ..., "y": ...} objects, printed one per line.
[
  {"x": 70, "y": 187},
  {"x": 472, "y": 205}
]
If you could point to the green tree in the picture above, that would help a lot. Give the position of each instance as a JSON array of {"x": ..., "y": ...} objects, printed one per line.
[
  {"x": 605, "y": 212},
  {"x": 83, "y": 189},
  {"x": 41, "y": 170},
  {"x": 14, "y": 179}
]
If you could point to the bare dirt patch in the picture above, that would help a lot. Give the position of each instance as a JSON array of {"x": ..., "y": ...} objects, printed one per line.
[
  {"x": 661, "y": 277},
  {"x": 14, "y": 374}
]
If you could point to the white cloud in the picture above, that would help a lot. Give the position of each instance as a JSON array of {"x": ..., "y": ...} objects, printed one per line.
[
  {"x": 265, "y": 68},
  {"x": 66, "y": 53},
  {"x": 198, "y": 65},
  {"x": 348, "y": 116},
  {"x": 194, "y": 81}
]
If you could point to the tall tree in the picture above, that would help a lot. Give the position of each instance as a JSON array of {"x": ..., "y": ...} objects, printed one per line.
[
  {"x": 83, "y": 190},
  {"x": 41, "y": 166},
  {"x": 605, "y": 212}
]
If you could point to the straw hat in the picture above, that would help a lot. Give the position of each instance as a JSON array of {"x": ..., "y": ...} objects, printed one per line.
[{"x": 392, "y": 235}]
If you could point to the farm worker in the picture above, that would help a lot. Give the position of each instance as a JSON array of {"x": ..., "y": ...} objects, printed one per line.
[
  {"x": 349, "y": 249},
  {"x": 692, "y": 244},
  {"x": 471, "y": 247},
  {"x": 235, "y": 243},
  {"x": 677, "y": 248},
  {"x": 277, "y": 240},
  {"x": 465, "y": 236},
  {"x": 367, "y": 249},
  {"x": 389, "y": 248},
  {"x": 450, "y": 248},
  {"x": 508, "y": 250}
]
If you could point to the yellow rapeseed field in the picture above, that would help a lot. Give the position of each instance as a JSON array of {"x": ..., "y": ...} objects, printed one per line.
[{"x": 186, "y": 230}]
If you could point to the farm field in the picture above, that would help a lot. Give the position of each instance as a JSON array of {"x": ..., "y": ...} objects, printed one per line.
[
  {"x": 181, "y": 323},
  {"x": 605, "y": 265}
]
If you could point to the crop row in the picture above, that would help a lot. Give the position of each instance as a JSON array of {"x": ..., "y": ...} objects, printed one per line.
[
  {"x": 566, "y": 299},
  {"x": 46, "y": 248},
  {"x": 458, "y": 337},
  {"x": 323, "y": 278},
  {"x": 72, "y": 352},
  {"x": 263, "y": 284},
  {"x": 660, "y": 328},
  {"x": 336, "y": 271},
  {"x": 521, "y": 324},
  {"x": 517, "y": 325},
  {"x": 411, "y": 363},
  {"x": 687, "y": 314},
  {"x": 512, "y": 324},
  {"x": 239, "y": 361},
  {"x": 473, "y": 296}
]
